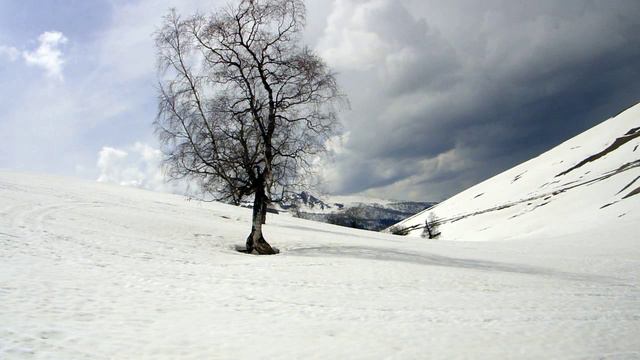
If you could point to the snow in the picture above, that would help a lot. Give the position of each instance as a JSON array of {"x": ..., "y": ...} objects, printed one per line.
[
  {"x": 91, "y": 270},
  {"x": 534, "y": 201}
]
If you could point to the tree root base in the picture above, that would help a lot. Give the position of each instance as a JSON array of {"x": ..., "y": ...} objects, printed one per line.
[
  {"x": 243, "y": 249},
  {"x": 259, "y": 247}
]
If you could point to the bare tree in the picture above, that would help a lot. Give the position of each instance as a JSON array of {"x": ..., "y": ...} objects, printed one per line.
[
  {"x": 243, "y": 105},
  {"x": 431, "y": 226}
]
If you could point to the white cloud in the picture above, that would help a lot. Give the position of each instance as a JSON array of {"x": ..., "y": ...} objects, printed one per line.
[
  {"x": 48, "y": 54},
  {"x": 138, "y": 165},
  {"x": 348, "y": 42},
  {"x": 383, "y": 36},
  {"x": 9, "y": 52}
]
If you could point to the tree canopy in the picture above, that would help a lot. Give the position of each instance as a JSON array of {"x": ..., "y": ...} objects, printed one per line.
[{"x": 243, "y": 106}]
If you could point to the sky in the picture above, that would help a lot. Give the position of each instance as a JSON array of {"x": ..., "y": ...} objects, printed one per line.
[{"x": 443, "y": 93}]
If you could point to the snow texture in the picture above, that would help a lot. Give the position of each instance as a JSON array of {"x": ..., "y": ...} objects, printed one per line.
[{"x": 98, "y": 271}]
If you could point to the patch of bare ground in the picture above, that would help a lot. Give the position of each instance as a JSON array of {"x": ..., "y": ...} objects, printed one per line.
[
  {"x": 630, "y": 135},
  {"x": 636, "y": 191},
  {"x": 628, "y": 185}
]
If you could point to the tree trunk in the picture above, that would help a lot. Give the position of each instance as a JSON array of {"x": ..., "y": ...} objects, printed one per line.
[
  {"x": 428, "y": 228},
  {"x": 256, "y": 244}
]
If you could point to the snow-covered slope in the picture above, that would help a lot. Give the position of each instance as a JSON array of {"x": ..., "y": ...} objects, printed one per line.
[
  {"x": 587, "y": 185},
  {"x": 94, "y": 271}
]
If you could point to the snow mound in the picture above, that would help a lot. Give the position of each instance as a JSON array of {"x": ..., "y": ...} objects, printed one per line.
[{"x": 588, "y": 183}]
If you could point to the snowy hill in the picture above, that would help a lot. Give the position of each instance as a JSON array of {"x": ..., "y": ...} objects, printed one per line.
[
  {"x": 96, "y": 271},
  {"x": 588, "y": 184},
  {"x": 352, "y": 211}
]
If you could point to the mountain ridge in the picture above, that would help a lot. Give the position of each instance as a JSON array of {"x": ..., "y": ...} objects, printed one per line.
[{"x": 351, "y": 211}]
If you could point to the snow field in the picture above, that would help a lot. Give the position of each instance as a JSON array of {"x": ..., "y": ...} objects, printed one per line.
[{"x": 93, "y": 271}]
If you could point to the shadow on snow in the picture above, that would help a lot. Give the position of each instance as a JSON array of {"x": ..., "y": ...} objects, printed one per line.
[{"x": 381, "y": 254}]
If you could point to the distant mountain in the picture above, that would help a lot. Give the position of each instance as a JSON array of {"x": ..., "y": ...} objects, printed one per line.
[
  {"x": 307, "y": 201},
  {"x": 589, "y": 183},
  {"x": 351, "y": 211}
]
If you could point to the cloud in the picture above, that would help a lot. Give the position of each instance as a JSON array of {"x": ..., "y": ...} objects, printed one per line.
[
  {"x": 107, "y": 98},
  {"x": 9, "y": 52},
  {"x": 140, "y": 165},
  {"x": 383, "y": 37},
  {"x": 48, "y": 55},
  {"x": 137, "y": 165},
  {"x": 447, "y": 93},
  {"x": 444, "y": 93}
]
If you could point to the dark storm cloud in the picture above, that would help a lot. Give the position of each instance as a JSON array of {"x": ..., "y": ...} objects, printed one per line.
[{"x": 447, "y": 93}]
